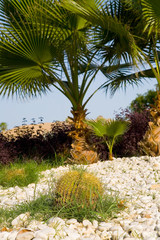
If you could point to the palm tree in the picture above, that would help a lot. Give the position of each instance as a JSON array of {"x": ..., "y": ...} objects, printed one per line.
[
  {"x": 142, "y": 18},
  {"x": 150, "y": 52},
  {"x": 44, "y": 45},
  {"x": 38, "y": 52},
  {"x": 150, "y": 20},
  {"x": 151, "y": 13}
]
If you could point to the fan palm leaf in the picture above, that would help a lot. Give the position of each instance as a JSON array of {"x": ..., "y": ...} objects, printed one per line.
[
  {"x": 111, "y": 33},
  {"x": 98, "y": 127},
  {"x": 109, "y": 130},
  {"x": 145, "y": 33},
  {"x": 25, "y": 56},
  {"x": 151, "y": 14},
  {"x": 124, "y": 77}
]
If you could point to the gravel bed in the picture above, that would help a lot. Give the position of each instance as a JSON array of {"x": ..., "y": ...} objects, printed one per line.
[{"x": 135, "y": 180}]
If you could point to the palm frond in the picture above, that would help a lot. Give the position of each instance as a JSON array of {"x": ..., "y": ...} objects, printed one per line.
[
  {"x": 151, "y": 13},
  {"x": 26, "y": 54},
  {"x": 112, "y": 30},
  {"x": 115, "y": 128},
  {"x": 122, "y": 78},
  {"x": 98, "y": 127},
  {"x": 108, "y": 128},
  {"x": 115, "y": 68}
]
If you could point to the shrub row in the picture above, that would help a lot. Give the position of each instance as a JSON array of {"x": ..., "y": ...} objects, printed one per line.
[
  {"x": 38, "y": 146},
  {"x": 43, "y": 145}
]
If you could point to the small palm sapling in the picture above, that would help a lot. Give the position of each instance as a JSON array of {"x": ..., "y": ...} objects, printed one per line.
[{"x": 109, "y": 131}]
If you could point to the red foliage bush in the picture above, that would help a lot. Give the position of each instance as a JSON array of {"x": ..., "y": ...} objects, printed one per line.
[
  {"x": 8, "y": 151},
  {"x": 42, "y": 145},
  {"x": 128, "y": 144}
]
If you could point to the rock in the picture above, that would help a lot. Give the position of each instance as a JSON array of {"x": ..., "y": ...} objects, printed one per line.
[
  {"x": 149, "y": 235},
  {"x": 72, "y": 226},
  {"x": 71, "y": 221},
  {"x": 12, "y": 235},
  {"x": 56, "y": 223},
  {"x": 37, "y": 238},
  {"x": 82, "y": 230},
  {"x": 95, "y": 223},
  {"x": 45, "y": 233},
  {"x": 135, "y": 179},
  {"x": 86, "y": 223},
  {"x": 36, "y": 225},
  {"x": 21, "y": 196},
  {"x": 136, "y": 230},
  {"x": 146, "y": 199},
  {"x": 106, "y": 235},
  {"x": 91, "y": 238},
  {"x": 73, "y": 234},
  {"x": 89, "y": 231},
  {"x": 60, "y": 233},
  {"x": 117, "y": 232},
  {"x": 104, "y": 226},
  {"x": 155, "y": 187},
  {"x": 157, "y": 228},
  {"x": 116, "y": 235},
  {"x": 4, "y": 235},
  {"x": 116, "y": 228},
  {"x": 57, "y": 220},
  {"x": 21, "y": 220},
  {"x": 145, "y": 214},
  {"x": 25, "y": 236},
  {"x": 130, "y": 238},
  {"x": 66, "y": 238}
]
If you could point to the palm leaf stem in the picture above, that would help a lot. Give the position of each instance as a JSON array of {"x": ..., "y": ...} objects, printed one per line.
[
  {"x": 88, "y": 99},
  {"x": 110, "y": 144},
  {"x": 156, "y": 58},
  {"x": 88, "y": 85},
  {"x": 64, "y": 89},
  {"x": 86, "y": 72},
  {"x": 73, "y": 61},
  {"x": 157, "y": 76},
  {"x": 66, "y": 74}
]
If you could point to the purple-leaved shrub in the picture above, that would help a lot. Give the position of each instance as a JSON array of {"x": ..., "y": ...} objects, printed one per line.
[
  {"x": 42, "y": 145},
  {"x": 8, "y": 151},
  {"x": 128, "y": 143}
]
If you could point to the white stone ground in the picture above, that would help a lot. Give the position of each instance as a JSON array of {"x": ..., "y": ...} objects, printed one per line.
[{"x": 134, "y": 180}]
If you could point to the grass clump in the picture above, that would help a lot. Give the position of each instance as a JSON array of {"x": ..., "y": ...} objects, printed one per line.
[
  {"x": 25, "y": 171},
  {"x": 60, "y": 159},
  {"x": 19, "y": 174},
  {"x": 46, "y": 207}
]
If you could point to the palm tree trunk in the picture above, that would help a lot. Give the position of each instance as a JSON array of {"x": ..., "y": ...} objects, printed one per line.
[
  {"x": 150, "y": 144},
  {"x": 81, "y": 152}
]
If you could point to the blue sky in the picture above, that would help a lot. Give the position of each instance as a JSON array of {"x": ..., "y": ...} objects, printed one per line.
[{"x": 54, "y": 106}]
